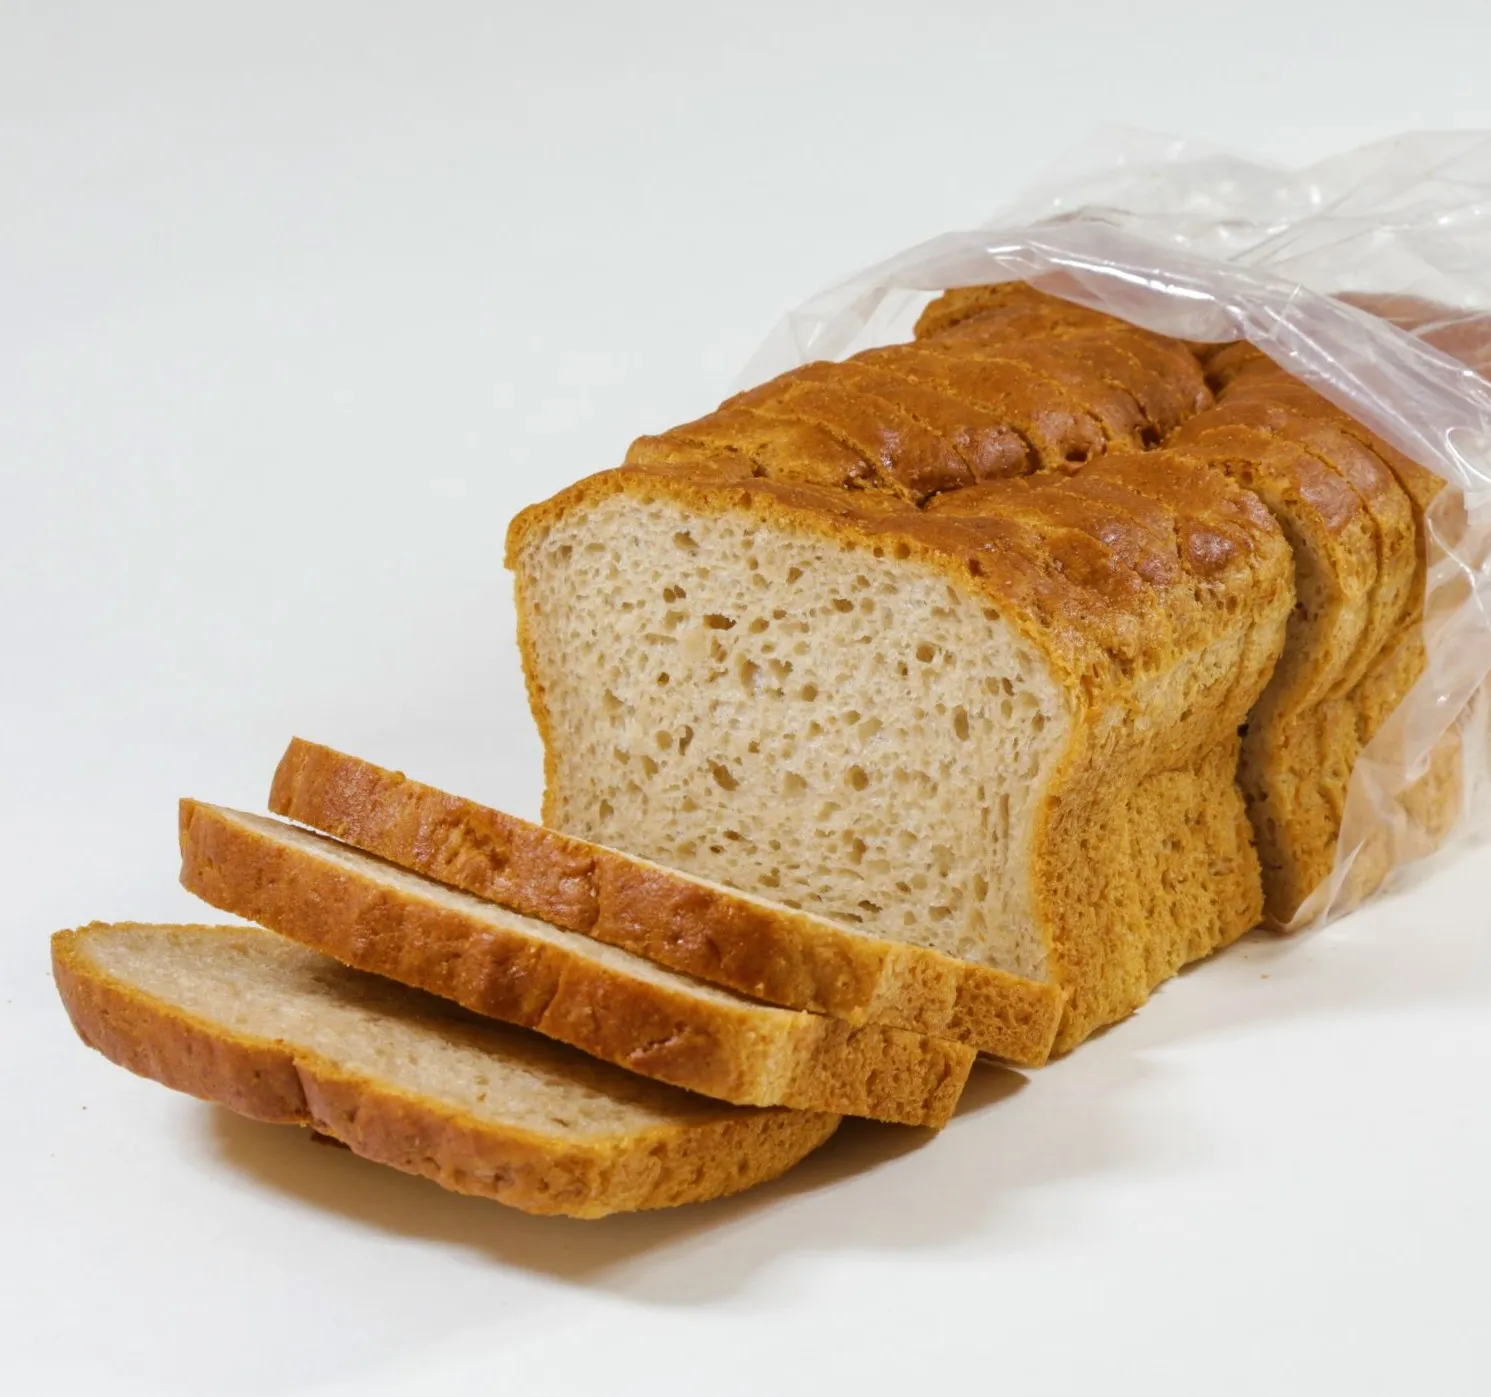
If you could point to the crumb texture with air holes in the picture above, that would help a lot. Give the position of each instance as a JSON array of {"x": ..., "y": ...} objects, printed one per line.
[{"x": 838, "y": 731}]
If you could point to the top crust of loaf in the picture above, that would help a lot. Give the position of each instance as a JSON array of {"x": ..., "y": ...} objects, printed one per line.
[
  {"x": 753, "y": 946},
  {"x": 1020, "y": 382},
  {"x": 680, "y": 1148}
]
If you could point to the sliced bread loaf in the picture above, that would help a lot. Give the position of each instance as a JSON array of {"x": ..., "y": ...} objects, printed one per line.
[
  {"x": 1003, "y": 725},
  {"x": 759, "y": 948},
  {"x": 616, "y": 1006},
  {"x": 277, "y": 1032}
]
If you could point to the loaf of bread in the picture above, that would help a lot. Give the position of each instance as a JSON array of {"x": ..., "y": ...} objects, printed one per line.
[
  {"x": 277, "y": 1032},
  {"x": 704, "y": 929},
  {"x": 842, "y": 644},
  {"x": 1003, "y": 725},
  {"x": 607, "y": 1002}
]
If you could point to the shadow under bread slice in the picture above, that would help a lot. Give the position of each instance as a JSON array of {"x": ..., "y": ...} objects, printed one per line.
[
  {"x": 748, "y": 944},
  {"x": 279, "y": 1033},
  {"x": 607, "y": 1002}
]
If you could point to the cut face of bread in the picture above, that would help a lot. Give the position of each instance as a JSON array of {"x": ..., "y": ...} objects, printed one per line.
[
  {"x": 272, "y": 1030},
  {"x": 847, "y": 734},
  {"x": 599, "y": 998},
  {"x": 1005, "y": 728},
  {"x": 703, "y": 928}
]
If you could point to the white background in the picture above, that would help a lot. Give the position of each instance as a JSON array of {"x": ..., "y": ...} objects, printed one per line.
[{"x": 298, "y": 303}]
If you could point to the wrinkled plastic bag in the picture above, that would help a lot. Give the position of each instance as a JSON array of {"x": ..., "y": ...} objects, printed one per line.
[{"x": 1192, "y": 242}]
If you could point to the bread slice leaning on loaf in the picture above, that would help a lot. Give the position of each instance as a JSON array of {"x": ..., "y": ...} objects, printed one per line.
[
  {"x": 1001, "y": 722},
  {"x": 274, "y": 1031},
  {"x": 728, "y": 938},
  {"x": 607, "y": 1002}
]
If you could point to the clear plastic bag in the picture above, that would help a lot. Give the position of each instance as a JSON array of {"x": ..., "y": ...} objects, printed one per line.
[{"x": 1205, "y": 246}]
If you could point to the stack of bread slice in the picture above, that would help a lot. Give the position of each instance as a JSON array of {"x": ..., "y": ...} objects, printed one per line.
[
  {"x": 1043, "y": 641},
  {"x": 682, "y": 1040}
]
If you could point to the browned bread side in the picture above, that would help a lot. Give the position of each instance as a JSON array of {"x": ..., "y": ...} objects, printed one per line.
[
  {"x": 571, "y": 1137},
  {"x": 605, "y": 1001},
  {"x": 763, "y": 949}
]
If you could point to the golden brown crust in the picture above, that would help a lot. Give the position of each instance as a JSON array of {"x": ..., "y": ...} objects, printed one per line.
[
  {"x": 1161, "y": 375},
  {"x": 691, "y": 1160},
  {"x": 731, "y": 1049},
  {"x": 986, "y": 445},
  {"x": 1022, "y": 381},
  {"x": 1017, "y": 307},
  {"x": 768, "y": 951}
]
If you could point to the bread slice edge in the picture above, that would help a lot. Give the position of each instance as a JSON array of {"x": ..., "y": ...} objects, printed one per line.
[{"x": 272, "y": 1081}]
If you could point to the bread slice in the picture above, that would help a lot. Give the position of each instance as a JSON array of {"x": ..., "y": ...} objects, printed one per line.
[
  {"x": 1328, "y": 699},
  {"x": 705, "y": 929},
  {"x": 616, "y": 1006},
  {"x": 1002, "y": 725},
  {"x": 279, "y": 1033}
]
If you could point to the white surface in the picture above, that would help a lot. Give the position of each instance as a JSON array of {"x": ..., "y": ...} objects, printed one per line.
[{"x": 296, "y": 307}]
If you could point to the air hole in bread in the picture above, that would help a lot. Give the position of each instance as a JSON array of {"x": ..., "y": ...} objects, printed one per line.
[{"x": 723, "y": 776}]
